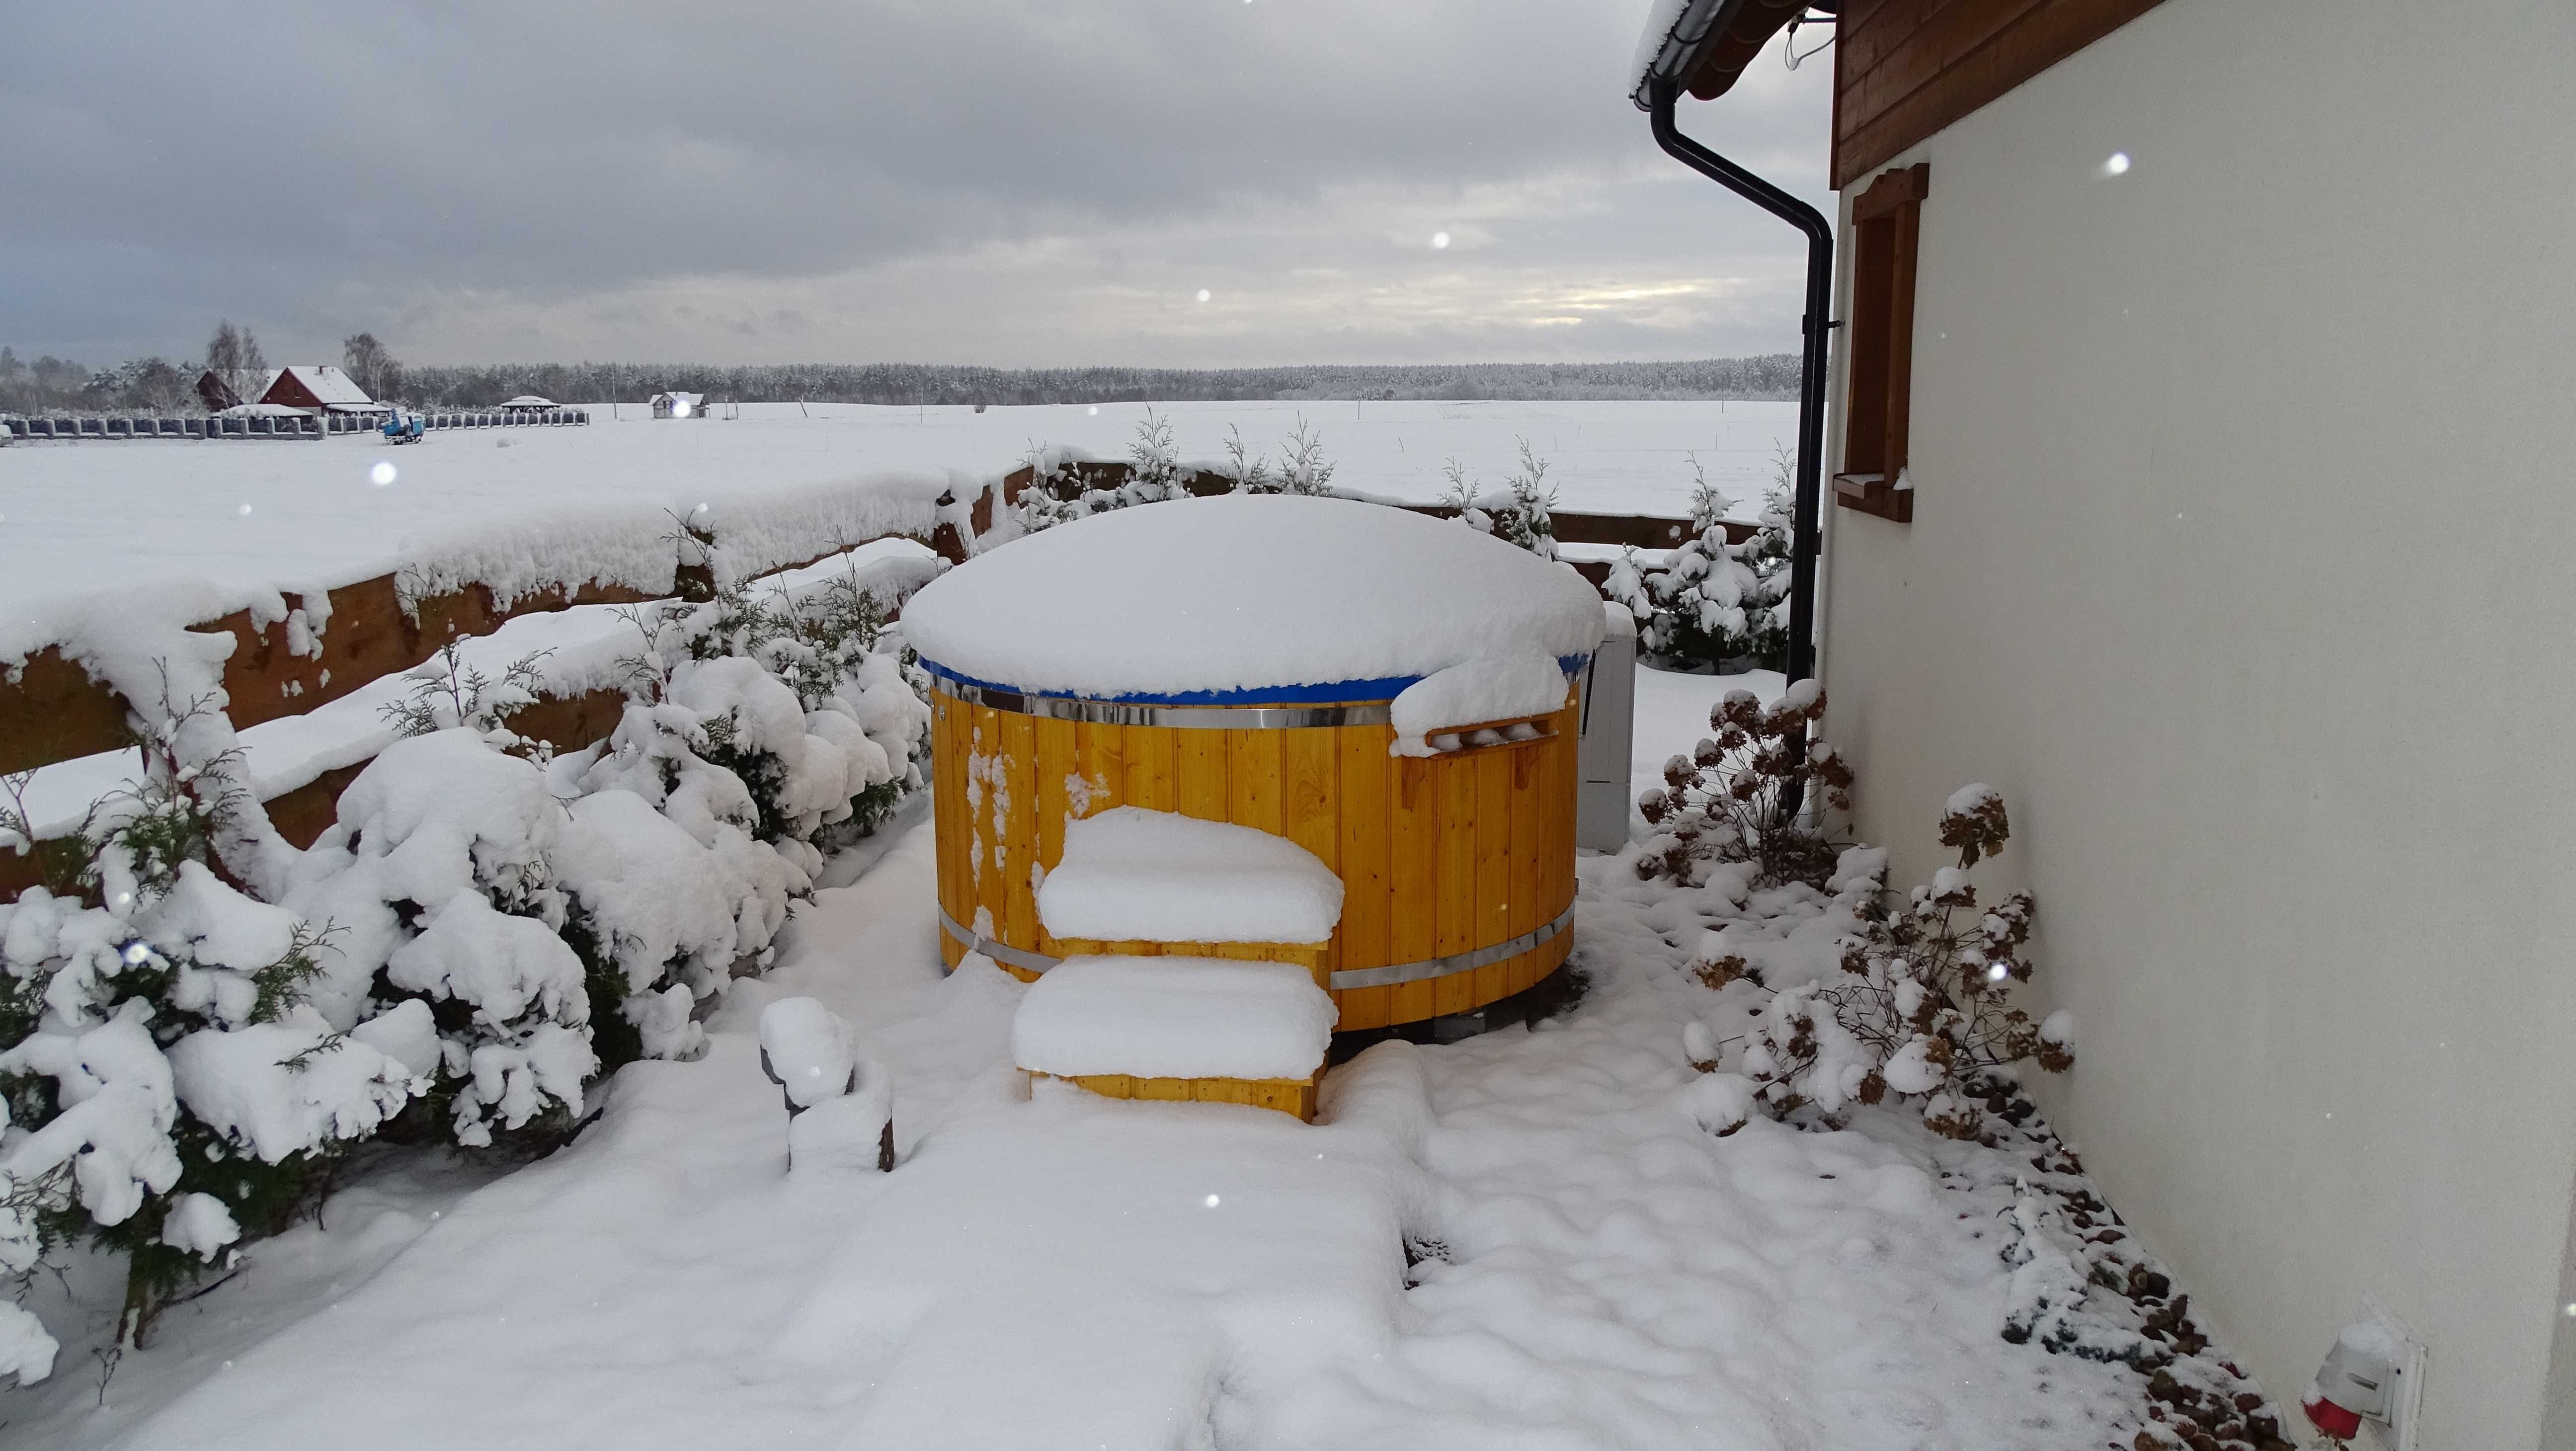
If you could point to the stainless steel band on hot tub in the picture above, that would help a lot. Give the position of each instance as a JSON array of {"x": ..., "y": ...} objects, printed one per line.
[
  {"x": 1008, "y": 956},
  {"x": 1186, "y": 717},
  {"x": 1357, "y": 977}
]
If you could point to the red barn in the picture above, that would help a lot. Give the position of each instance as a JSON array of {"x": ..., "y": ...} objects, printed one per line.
[{"x": 320, "y": 388}]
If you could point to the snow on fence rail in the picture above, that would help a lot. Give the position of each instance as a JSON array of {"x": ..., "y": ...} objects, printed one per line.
[
  {"x": 1598, "y": 535},
  {"x": 66, "y": 676}
]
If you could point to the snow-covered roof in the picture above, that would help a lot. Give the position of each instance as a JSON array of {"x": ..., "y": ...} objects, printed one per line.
[
  {"x": 528, "y": 400},
  {"x": 1704, "y": 45},
  {"x": 328, "y": 385},
  {"x": 1246, "y": 592},
  {"x": 678, "y": 397}
]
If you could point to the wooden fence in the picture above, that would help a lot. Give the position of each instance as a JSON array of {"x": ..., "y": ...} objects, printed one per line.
[
  {"x": 52, "y": 710},
  {"x": 103, "y": 428},
  {"x": 1573, "y": 526}
]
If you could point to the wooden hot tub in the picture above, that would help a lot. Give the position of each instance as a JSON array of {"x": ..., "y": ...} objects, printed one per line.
[{"x": 1458, "y": 867}]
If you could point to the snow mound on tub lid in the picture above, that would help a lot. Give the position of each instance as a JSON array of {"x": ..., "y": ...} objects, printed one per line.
[
  {"x": 1245, "y": 592},
  {"x": 1131, "y": 875},
  {"x": 1173, "y": 1017}
]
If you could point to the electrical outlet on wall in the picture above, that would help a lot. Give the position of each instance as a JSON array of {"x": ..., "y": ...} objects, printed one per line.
[{"x": 2406, "y": 1396}]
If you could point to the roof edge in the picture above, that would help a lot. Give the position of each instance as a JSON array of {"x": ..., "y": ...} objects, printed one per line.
[{"x": 1711, "y": 43}]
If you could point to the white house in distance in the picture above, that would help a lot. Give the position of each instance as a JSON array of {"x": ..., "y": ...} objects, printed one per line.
[
  {"x": 679, "y": 405},
  {"x": 2200, "y": 479}
]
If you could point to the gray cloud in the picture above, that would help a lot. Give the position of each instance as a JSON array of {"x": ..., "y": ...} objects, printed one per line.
[{"x": 995, "y": 180}]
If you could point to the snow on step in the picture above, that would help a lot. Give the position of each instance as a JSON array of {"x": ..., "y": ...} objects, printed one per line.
[
  {"x": 1246, "y": 592},
  {"x": 1129, "y": 874},
  {"x": 1173, "y": 1017}
]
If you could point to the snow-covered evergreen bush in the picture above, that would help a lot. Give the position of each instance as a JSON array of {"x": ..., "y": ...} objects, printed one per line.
[
  {"x": 440, "y": 874},
  {"x": 1713, "y": 602},
  {"x": 1520, "y": 514},
  {"x": 1154, "y": 475},
  {"x": 197, "y": 1019},
  {"x": 1059, "y": 490},
  {"x": 793, "y": 697},
  {"x": 1728, "y": 801},
  {"x": 1249, "y": 471},
  {"x": 446, "y": 692},
  {"x": 1921, "y": 1010},
  {"x": 1302, "y": 468},
  {"x": 167, "y": 1088},
  {"x": 1766, "y": 607}
]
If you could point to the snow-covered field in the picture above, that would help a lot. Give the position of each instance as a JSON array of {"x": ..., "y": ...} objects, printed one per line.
[
  {"x": 1525, "y": 1240},
  {"x": 76, "y": 518}
]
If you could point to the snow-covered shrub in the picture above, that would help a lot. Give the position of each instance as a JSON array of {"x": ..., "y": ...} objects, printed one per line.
[
  {"x": 1249, "y": 471},
  {"x": 1766, "y": 609},
  {"x": 445, "y": 693},
  {"x": 786, "y": 705},
  {"x": 1302, "y": 469},
  {"x": 1713, "y": 602},
  {"x": 1520, "y": 514},
  {"x": 440, "y": 874},
  {"x": 1154, "y": 474},
  {"x": 166, "y": 1088},
  {"x": 1728, "y": 800},
  {"x": 1922, "y": 1008}
]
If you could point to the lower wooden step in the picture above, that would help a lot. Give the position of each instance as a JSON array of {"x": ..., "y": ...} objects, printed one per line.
[{"x": 1287, "y": 1095}]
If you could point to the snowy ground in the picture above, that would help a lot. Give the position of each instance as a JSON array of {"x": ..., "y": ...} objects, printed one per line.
[
  {"x": 76, "y": 517},
  {"x": 1594, "y": 1270}
]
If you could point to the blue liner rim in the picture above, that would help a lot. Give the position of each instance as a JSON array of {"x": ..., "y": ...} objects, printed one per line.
[{"x": 1339, "y": 692}]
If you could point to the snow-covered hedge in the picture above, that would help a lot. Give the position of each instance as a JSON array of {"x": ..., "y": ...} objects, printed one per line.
[
  {"x": 1714, "y": 603},
  {"x": 199, "y": 1025},
  {"x": 1156, "y": 474},
  {"x": 168, "y": 1083}
]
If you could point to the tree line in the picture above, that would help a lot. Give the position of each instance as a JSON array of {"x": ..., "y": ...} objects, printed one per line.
[
  {"x": 1770, "y": 376},
  {"x": 52, "y": 384},
  {"x": 158, "y": 385}
]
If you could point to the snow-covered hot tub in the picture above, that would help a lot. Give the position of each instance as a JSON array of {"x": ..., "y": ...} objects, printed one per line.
[{"x": 1389, "y": 691}]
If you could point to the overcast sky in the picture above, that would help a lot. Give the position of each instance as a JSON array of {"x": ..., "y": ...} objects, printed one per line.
[{"x": 988, "y": 181}]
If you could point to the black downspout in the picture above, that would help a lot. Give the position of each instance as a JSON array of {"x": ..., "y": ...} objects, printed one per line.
[{"x": 1806, "y": 532}]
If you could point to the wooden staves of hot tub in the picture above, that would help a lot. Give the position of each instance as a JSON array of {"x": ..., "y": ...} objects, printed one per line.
[{"x": 1457, "y": 867}]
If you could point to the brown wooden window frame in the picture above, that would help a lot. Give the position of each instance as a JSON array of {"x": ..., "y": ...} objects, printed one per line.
[{"x": 1887, "y": 225}]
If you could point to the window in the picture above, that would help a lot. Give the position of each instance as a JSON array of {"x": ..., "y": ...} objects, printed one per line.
[{"x": 1886, "y": 220}]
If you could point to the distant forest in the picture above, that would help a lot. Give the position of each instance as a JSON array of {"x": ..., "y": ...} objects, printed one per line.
[
  {"x": 1773, "y": 376},
  {"x": 158, "y": 385}
]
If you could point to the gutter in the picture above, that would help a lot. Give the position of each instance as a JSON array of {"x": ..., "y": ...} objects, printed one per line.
[
  {"x": 1806, "y": 535},
  {"x": 1658, "y": 92}
]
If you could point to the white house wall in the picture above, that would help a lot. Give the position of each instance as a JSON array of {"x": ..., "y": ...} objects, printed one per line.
[{"x": 2244, "y": 563}]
